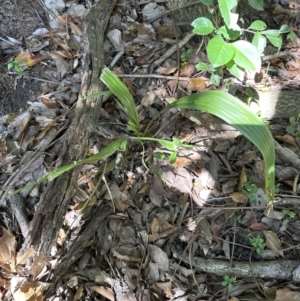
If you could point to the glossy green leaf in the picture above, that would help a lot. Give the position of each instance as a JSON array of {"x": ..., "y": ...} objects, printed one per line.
[
  {"x": 236, "y": 70},
  {"x": 259, "y": 42},
  {"x": 256, "y": 4},
  {"x": 172, "y": 158},
  {"x": 201, "y": 66},
  {"x": 230, "y": 18},
  {"x": 219, "y": 52},
  {"x": 271, "y": 32},
  {"x": 275, "y": 41},
  {"x": 202, "y": 26},
  {"x": 215, "y": 79},
  {"x": 258, "y": 25},
  {"x": 229, "y": 34},
  {"x": 246, "y": 56},
  {"x": 237, "y": 114}
]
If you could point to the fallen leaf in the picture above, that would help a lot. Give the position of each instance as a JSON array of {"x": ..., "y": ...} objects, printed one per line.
[
  {"x": 157, "y": 255},
  {"x": 257, "y": 226},
  {"x": 155, "y": 226},
  {"x": 287, "y": 295},
  {"x": 287, "y": 139},
  {"x": 196, "y": 84},
  {"x": 238, "y": 197},
  {"x": 273, "y": 242},
  {"x": 7, "y": 247},
  {"x": 165, "y": 288},
  {"x": 23, "y": 256}
]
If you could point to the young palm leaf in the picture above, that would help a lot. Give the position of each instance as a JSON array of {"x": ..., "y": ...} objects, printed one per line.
[
  {"x": 235, "y": 113},
  {"x": 117, "y": 87}
]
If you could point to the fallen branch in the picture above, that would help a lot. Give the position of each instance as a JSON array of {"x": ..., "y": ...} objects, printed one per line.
[{"x": 275, "y": 269}]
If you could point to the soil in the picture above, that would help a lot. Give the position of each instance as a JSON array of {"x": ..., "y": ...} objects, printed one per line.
[{"x": 17, "y": 19}]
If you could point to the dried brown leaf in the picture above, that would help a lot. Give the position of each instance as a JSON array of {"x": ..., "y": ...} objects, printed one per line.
[
  {"x": 287, "y": 295},
  {"x": 148, "y": 99},
  {"x": 196, "y": 84},
  {"x": 239, "y": 197},
  {"x": 273, "y": 242},
  {"x": 79, "y": 293},
  {"x": 22, "y": 257},
  {"x": 7, "y": 247},
  {"x": 39, "y": 266},
  {"x": 76, "y": 29},
  {"x": 155, "y": 226},
  {"x": 242, "y": 179},
  {"x": 165, "y": 287},
  {"x": 258, "y": 226},
  {"x": 287, "y": 139}
]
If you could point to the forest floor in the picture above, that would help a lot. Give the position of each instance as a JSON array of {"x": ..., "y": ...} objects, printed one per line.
[{"x": 198, "y": 228}]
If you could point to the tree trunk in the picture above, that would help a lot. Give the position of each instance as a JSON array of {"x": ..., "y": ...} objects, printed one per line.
[{"x": 48, "y": 218}]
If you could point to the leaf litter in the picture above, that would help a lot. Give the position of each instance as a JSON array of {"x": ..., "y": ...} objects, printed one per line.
[{"x": 165, "y": 218}]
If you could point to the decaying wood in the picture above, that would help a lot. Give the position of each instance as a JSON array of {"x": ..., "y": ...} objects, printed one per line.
[
  {"x": 54, "y": 202},
  {"x": 274, "y": 269}
]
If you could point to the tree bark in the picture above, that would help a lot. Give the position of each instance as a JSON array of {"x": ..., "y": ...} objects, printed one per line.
[{"x": 48, "y": 218}]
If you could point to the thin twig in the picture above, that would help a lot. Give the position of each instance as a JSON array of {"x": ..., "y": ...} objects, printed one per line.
[{"x": 173, "y": 49}]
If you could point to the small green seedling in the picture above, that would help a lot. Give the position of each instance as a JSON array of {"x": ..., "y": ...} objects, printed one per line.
[
  {"x": 228, "y": 281},
  {"x": 186, "y": 56},
  {"x": 18, "y": 66},
  {"x": 250, "y": 190},
  {"x": 289, "y": 213},
  {"x": 238, "y": 218},
  {"x": 294, "y": 127},
  {"x": 259, "y": 244}
]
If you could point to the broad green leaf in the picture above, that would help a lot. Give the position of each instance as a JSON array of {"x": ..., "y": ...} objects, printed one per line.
[
  {"x": 235, "y": 70},
  {"x": 246, "y": 56},
  {"x": 256, "y": 4},
  {"x": 260, "y": 42},
  {"x": 202, "y": 26},
  {"x": 275, "y": 41},
  {"x": 292, "y": 36},
  {"x": 201, "y": 66},
  {"x": 219, "y": 52},
  {"x": 117, "y": 87},
  {"x": 229, "y": 34},
  {"x": 271, "y": 32},
  {"x": 225, "y": 7},
  {"x": 10, "y": 65},
  {"x": 237, "y": 114},
  {"x": 215, "y": 79},
  {"x": 285, "y": 28},
  {"x": 172, "y": 157},
  {"x": 258, "y": 25}
]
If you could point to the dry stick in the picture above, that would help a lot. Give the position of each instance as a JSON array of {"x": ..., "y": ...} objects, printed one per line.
[
  {"x": 276, "y": 269},
  {"x": 173, "y": 49}
]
